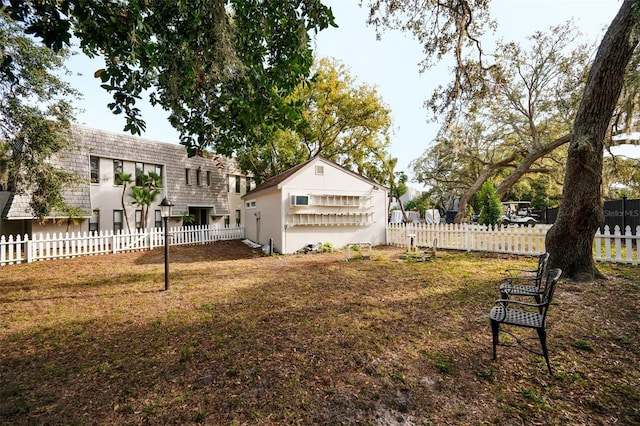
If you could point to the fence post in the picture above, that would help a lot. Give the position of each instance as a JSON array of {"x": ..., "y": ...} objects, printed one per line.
[
  {"x": 114, "y": 244},
  {"x": 28, "y": 247}
]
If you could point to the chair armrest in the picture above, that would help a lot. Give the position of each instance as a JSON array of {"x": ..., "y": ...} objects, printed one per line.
[
  {"x": 517, "y": 270},
  {"x": 506, "y": 302},
  {"x": 517, "y": 278}
]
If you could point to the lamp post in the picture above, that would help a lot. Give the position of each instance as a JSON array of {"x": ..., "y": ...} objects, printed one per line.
[{"x": 165, "y": 212}]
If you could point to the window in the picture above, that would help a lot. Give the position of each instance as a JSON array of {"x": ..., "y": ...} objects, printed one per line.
[
  {"x": 94, "y": 163},
  {"x": 320, "y": 170},
  {"x": 227, "y": 222},
  {"x": 158, "y": 170},
  {"x": 238, "y": 217},
  {"x": 208, "y": 178},
  {"x": 138, "y": 219},
  {"x": 117, "y": 221},
  {"x": 94, "y": 221},
  {"x": 299, "y": 200},
  {"x": 117, "y": 169},
  {"x": 198, "y": 176},
  {"x": 237, "y": 184},
  {"x": 157, "y": 219},
  {"x": 250, "y": 204},
  {"x": 248, "y": 179},
  {"x": 139, "y": 173},
  {"x": 186, "y": 176}
]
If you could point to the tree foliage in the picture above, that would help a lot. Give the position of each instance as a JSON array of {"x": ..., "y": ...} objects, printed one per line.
[
  {"x": 517, "y": 128},
  {"x": 570, "y": 239},
  {"x": 448, "y": 26},
  {"x": 343, "y": 121},
  {"x": 124, "y": 179},
  {"x": 145, "y": 195},
  {"x": 35, "y": 117},
  {"x": 442, "y": 27},
  {"x": 222, "y": 68},
  {"x": 491, "y": 211}
]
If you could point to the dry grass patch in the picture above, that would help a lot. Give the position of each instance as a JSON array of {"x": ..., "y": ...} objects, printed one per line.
[{"x": 309, "y": 339}]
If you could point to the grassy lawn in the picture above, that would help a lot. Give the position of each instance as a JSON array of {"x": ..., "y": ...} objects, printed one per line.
[{"x": 308, "y": 339}]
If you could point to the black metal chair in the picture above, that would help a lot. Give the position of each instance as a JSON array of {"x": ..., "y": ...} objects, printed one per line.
[
  {"x": 527, "y": 315},
  {"x": 525, "y": 282}
]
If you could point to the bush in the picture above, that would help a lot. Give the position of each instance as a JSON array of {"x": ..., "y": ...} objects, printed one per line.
[{"x": 490, "y": 207}]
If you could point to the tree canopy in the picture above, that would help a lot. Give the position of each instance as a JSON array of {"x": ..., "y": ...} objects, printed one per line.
[
  {"x": 514, "y": 129},
  {"x": 222, "y": 68},
  {"x": 343, "y": 121},
  {"x": 451, "y": 26},
  {"x": 35, "y": 116}
]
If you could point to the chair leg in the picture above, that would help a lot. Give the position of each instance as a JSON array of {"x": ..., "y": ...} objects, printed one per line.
[
  {"x": 495, "y": 329},
  {"x": 542, "y": 334}
]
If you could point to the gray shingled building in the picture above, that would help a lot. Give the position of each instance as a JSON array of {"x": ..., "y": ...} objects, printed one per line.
[{"x": 208, "y": 188}]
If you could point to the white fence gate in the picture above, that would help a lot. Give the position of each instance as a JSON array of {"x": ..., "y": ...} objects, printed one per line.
[{"x": 17, "y": 249}]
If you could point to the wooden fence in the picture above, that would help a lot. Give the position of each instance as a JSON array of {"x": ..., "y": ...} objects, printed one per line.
[
  {"x": 608, "y": 246},
  {"x": 17, "y": 249},
  {"x": 522, "y": 240}
]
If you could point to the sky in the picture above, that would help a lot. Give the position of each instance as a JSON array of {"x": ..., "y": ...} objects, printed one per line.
[{"x": 389, "y": 64}]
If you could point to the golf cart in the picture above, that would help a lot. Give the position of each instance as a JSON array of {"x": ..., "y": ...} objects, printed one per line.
[{"x": 518, "y": 213}]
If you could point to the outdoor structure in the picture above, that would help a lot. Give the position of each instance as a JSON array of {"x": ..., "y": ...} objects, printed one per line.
[
  {"x": 207, "y": 188},
  {"x": 316, "y": 202}
]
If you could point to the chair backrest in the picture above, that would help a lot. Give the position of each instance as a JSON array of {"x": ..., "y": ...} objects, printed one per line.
[
  {"x": 543, "y": 260},
  {"x": 549, "y": 288},
  {"x": 541, "y": 272}
]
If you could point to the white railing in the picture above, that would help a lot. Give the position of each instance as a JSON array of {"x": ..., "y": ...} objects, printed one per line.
[
  {"x": 522, "y": 240},
  {"x": 17, "y": 249}
]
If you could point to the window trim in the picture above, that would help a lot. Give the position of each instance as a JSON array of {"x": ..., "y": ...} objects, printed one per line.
[
  {"x": 121, "y": 222},
  {"x": 94, "y": 172},
  {"x": 138, "y": 219},
  {"x": 95, "y": 213},
  {"x": 116, "y": 172},
  {"x": 139, "y": 173}
]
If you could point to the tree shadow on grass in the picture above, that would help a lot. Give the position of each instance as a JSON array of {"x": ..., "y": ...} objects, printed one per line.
[{"x": 308, "y": 341}]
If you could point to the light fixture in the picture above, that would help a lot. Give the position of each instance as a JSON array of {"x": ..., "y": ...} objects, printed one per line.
[{"x": 165, "y": 212}]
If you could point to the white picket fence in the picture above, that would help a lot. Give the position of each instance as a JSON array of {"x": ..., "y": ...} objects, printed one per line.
[
  {"x": 608, "y": 246},
  {"x": 17, "y": 249},
  {"x": 522, "y": 240}
]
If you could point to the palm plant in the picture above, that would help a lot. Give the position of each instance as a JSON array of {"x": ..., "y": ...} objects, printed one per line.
[
  {"x": 124, "y": 179},
  {"x": 144, "y": 195}
]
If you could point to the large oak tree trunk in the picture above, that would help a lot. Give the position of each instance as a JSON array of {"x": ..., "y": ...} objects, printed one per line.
[{"x": 570, "y": 239}]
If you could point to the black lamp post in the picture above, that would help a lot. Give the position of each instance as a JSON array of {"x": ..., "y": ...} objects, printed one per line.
[{"x": 165, "y": 212}]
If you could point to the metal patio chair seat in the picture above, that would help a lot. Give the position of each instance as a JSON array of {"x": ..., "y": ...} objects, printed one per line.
[
  {"x": 516, "y": 313},
  {"x": 525, "y": 282}
]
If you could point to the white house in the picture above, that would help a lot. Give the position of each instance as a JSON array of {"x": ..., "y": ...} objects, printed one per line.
[
  {"x": 316, "y": 202},
  {"x": 208, "y": 188}
]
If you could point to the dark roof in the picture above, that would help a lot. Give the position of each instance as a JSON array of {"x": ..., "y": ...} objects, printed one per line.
[{"x": 277, "y": 179}]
